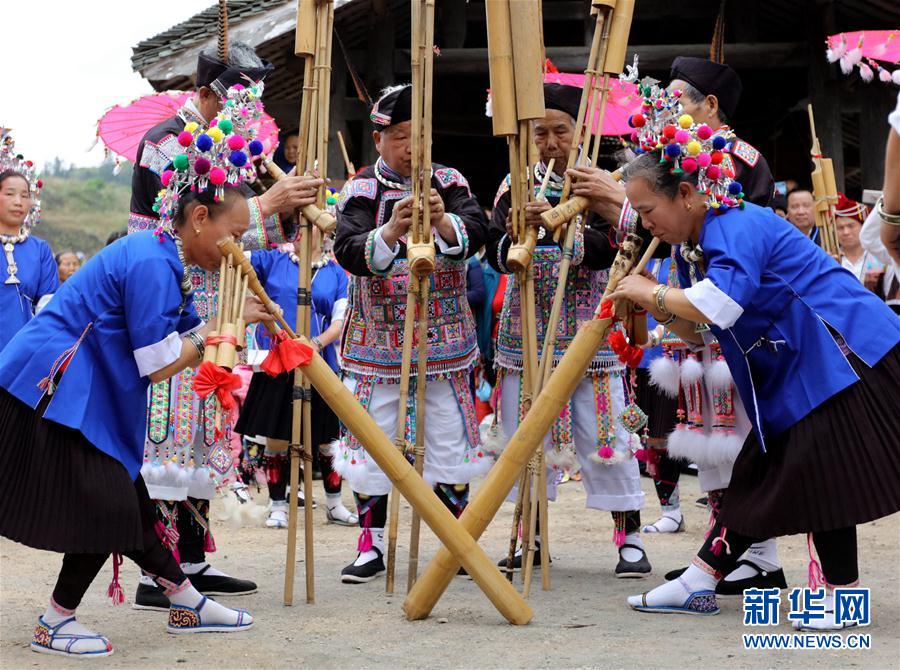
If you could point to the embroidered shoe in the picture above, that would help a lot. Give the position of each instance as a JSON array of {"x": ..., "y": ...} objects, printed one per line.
[
  {"x": 55, "y": 640},
  {"x": 185, "y": 620},
  {"x": 701, "y": 603},
  {"x": 360, "y": 574}
]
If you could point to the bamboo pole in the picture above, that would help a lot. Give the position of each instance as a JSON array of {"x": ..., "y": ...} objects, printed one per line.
[
  {"x": 454, "y": 538},
  {"x": 348, "y": 164},
  {"x": 562, "y": 383}
]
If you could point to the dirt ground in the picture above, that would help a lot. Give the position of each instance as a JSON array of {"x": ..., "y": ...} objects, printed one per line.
[{"x": 582, "y": 622}]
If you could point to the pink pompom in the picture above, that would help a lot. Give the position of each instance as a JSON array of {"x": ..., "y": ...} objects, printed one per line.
[
  {"x": 704, "y": 160},
  {"x": 713, "y": 172},
  {"x": 689, "y": 165},
  {"x": 235, "y": 142},
  {"x": 704, "y": 132},
  {"x": 201, "y": 165},
  {"x": 634, "y": 136},
  {"x": 166, "y": 177},
  {"x": 682, "y": 137},
  {"x": 185, "y": 138},
  {"x": 214, "y": 122},
  {"x": 606, "y": 452},
  {"x": 217, "y": 176},
  {"x": 238, "y": 87}
]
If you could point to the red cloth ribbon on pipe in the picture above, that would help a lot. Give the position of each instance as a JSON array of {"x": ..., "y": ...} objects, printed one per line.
[
  {"x": 627, "y": 353},
  {"x": 286, "y": 355},
  {"x": 606, "y": 310},
  {"x": 211, "y": 378},
  {"x": 219, "y": 339}
]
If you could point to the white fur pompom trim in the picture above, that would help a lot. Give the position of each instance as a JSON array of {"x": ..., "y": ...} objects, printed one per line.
[
  {"x": 723, "y": 448},
  {"x": 664, "y": 375},
  {"x": 691, "y": 445},
  {"x": 691, "y": 371},
  {"x": 719, "y": 376}
]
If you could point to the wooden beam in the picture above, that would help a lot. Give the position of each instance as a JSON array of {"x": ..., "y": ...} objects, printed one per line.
[
  {"x": 877, "y": 103},
  {"x": 751, "y": 56}
]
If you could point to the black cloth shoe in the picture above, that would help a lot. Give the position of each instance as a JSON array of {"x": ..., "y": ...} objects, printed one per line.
[
  {"x": 518, "y": 560},
  {"x": 219, "y": 585},
  {"x": 702, "y": 503},
  {"x": 150, "y": 598},
  {"x": 674, "y": 574},
  {"x": 360, "y": 574},
  {"x": 633, "y": 569},
  {"x": 764, "y": 579}
]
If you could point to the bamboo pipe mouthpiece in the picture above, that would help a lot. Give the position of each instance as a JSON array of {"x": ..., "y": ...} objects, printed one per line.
[
  {"x": 564, "y": 212},
  {"x": 619, "y": 29},
  {"x": 320, "y": 218}
]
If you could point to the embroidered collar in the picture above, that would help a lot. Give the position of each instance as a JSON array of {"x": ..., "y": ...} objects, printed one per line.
[
  {"x": 189, "y": 113},
  {"x": 392, "y": 179}
]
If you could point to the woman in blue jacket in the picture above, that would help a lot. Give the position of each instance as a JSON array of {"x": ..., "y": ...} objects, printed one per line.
[
  {"x": 73, "y": 389},
  {"x": 815, "y": 359}
]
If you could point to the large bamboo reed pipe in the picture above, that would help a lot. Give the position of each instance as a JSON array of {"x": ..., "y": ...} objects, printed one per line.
[
  {"x": 400, "y": 432},
  {"x": 502, "y": 74},
  {"x": 528, "y": 58},
  {"x": 419, "y": 494},
  {"x": 560, "y": 387},
  {"x": 421, "y": 419}
]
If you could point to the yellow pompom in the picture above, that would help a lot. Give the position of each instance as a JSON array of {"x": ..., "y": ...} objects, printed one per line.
[
  {"x": 694, "y": 147},
  {"x": 685, "y": 120},
  {"x": 216, "y": 134},
  {"x": 191, "y": 127}
]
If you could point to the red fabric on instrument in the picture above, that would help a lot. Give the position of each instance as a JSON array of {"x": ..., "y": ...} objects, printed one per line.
[
  {"x": 286, "y": 356},
  {"x": 211, "y": 378}
]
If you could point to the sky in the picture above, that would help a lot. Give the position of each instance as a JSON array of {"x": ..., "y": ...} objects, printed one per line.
[{"x": 65, "y": 63}]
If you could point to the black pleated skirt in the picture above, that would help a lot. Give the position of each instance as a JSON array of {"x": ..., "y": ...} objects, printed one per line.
[
  {"x": 268, "y": 410},
  {"x": 837, "y": 467},
  {"x": 659, "y": 408},
  {"x": 60, "y": 493}
]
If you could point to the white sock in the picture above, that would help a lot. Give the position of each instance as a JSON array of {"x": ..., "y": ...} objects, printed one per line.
[
  {"x": 147, "y": 581},
  {"x": 629, "y": 554},
  {"x": 193, "y": 568},
  {"x": 212, "y": 612},
  {"x": 667, "y": 523},
  {"x": 674, "y": 593},
  {"x": 377, "y": 542},
  {"x": 55, "y": 614},
  {"x": 332, "y": 500},
  {"x": 764, "y": 554}
]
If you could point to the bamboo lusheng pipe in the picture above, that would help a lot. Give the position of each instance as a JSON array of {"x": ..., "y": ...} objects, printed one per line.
[
  {"x": 455, "y": 539},
  {"x": 824, "y": 192},
  {"x": 423, "y": 40},
  {"x": 544, "y": 411},
  {"x": 504, "y": 119},
  {"x": 320, "y": 218},
  {"x": 348, "y": 164}
]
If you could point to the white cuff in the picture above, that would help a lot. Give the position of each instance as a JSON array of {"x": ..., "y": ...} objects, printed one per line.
[
  {"x": 339, "y": 310},
  {"x": 444, "y": 246},
  {"x": 713, "y": 303},
  {"x": 383, "y": 255},
  {"x": 155, "y": 357}
]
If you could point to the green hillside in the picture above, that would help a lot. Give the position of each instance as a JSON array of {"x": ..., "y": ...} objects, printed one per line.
[{"x": 82, "y": 206}]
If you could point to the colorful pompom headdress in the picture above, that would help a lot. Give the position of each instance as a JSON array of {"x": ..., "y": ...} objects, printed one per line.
[
  {"x": 16, "y": 162},
  {"x": 688, "y": 147},
  {"x": 216, "y": 158}
]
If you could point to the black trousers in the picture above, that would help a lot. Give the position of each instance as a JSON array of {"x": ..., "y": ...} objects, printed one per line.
[
  {"x": 836, "y": 549},
  {"x": 79, "y": 570}
]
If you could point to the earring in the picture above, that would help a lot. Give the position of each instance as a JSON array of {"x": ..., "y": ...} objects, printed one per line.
[
  {"x": 196, "y": 231},
  {"x": 689, "y": 206}
]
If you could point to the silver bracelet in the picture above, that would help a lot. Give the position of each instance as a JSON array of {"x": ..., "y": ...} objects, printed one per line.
[
  {"x": 198, "y": 342},
  {"x": 890, "y": 219}
]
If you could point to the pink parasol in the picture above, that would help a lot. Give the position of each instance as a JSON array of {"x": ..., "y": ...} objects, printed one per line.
[
  {"x": 872, "y": 51},
  {"x": 623, "y": 101},
  {"x": 121, "y": 128}
]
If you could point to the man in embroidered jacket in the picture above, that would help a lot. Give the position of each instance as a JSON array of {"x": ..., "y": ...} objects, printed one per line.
[{"x": 373, "y": 216}]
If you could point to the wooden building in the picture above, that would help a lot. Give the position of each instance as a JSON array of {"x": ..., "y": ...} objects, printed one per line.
[{"x": 777, "y": 46}]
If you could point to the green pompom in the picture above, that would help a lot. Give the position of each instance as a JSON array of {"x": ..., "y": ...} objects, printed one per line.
[
  {"x": 331, "y": 200},
  {"x": 180, "y": 162},
  {"x": 225, "y": 126}
]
